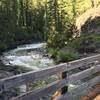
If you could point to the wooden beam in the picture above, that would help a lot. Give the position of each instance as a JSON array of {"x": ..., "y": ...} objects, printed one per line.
[
  {"x": 35, "y": 94},
  {"x": 80, "y": 88},
  {"x": 53, "y": 87},
  {"x": 32, "y": 76},
  {"x": 39, "y": 75},
  {"x": 84, "y": 74},
  {"x": 83, "y": 62}
]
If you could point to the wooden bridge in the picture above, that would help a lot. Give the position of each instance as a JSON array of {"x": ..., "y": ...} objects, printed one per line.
[{"x": 91, "y": 65}]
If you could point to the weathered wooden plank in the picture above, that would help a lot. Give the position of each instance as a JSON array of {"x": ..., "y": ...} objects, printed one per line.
[
  {"x": 81, "y": 75},
  {"x": 80, "y": 88},
  {"x": 86, "y": 85},
  {"x": 83, "y": 62},
  {"x": 35, "y": 94},
  {"x": 30, "y": 76},
  {"x": 84, "y": 74},
  {"x": 51, "y": 88},
  {"x": 39, "y": 75}
]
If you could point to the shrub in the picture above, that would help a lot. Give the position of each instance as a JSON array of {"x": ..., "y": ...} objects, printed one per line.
[
  {"x": 52, "y": 52},
  {"x": 67, "y": 56}
]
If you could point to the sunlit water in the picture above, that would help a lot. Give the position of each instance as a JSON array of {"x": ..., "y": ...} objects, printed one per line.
[{"x": 28, "y": 56}]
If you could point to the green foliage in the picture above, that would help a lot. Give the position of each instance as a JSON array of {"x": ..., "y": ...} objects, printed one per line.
[
  {"x": 67, "y": 56},
  {"x": 86, "y": 43},
  {"x": 52, "y": 52},
  {"x": 82, "y": 6},
  {"x": 33, "y": 20},
  {"x": 61, "y": 24}
]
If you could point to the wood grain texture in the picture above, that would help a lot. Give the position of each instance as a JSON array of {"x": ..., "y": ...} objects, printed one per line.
[{"x": 34, "y": 76}]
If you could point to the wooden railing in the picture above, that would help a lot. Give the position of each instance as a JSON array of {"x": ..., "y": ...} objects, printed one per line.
[{"x": 34, "y": 76}]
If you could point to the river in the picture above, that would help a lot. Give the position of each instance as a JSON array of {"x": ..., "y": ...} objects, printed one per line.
[{"x": 30, "y": 56}]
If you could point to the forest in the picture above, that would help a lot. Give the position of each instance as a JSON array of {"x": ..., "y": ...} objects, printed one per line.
[{"x": 28, "y": 21}]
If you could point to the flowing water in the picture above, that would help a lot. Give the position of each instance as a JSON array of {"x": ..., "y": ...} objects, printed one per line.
[{"x": 30, "y": 56}]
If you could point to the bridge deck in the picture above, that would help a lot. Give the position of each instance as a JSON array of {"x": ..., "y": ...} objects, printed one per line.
[
  {"x": 97, "y": 97},
  {"x": 94, "y": 94}
]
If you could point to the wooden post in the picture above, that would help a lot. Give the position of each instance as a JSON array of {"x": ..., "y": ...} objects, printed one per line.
[{"x": 65, "y": 88}]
